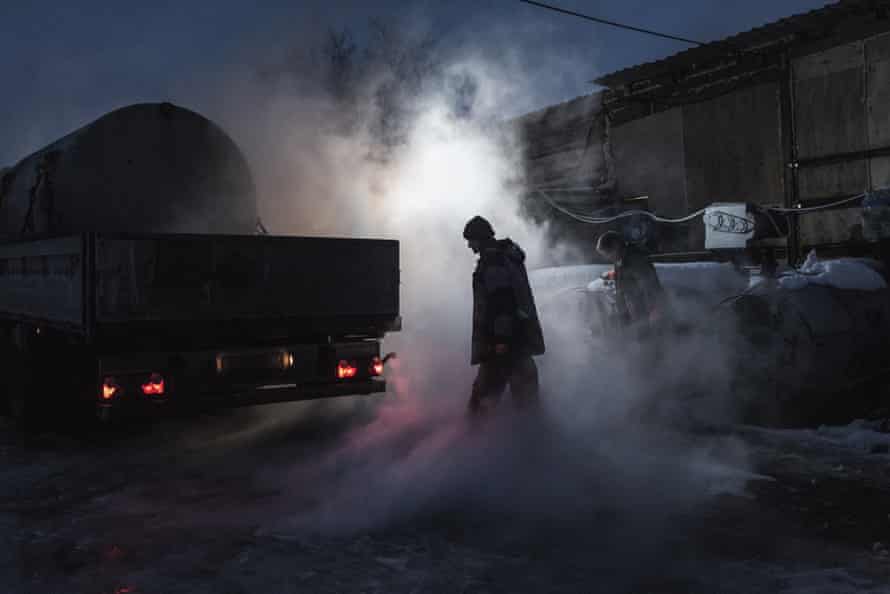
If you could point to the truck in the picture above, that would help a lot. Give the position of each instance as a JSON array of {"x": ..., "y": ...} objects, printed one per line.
[{"x": 133, "y": 279}]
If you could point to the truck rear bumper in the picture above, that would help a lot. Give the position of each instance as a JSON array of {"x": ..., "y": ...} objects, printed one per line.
[
  {"x": 145, "y": 382},
  {"x": 237, "y": 396},
  {"x": 270, "y": 393}
]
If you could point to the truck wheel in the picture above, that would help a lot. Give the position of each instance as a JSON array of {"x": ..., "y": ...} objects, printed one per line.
[
  {"x": 5, "y": 400},
  {"x": 9, "y": 365},
  {"x": 18, "y": 388}
]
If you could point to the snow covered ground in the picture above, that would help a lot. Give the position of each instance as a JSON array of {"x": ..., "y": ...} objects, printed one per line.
[
  {"x": 401, "y": 494},
  {"x": 721, "y": 280},
  {"x": 305, "y": 498},
  {"x": 841, "y": 273}
]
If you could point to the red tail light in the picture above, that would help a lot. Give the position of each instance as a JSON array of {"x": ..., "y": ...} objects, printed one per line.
[
  {"x": 376, "y": 366},
  {"x": 346, "y": 370},
  {"x": 110, "y": 388},
  {"x": 154, "y": 386}
]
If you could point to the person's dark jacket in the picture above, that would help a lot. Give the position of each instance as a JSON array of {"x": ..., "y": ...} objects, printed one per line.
[
  {"x": 640, "y": 295},
  {"x": 503, "y": 305}
]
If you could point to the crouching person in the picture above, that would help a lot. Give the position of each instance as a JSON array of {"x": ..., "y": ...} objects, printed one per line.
[
  {"x": 641, "y": 302},
  {"x": 506, "y": 329}
]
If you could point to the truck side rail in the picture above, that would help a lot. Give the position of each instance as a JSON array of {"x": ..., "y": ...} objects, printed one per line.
[
  {"x": 106, "y": 284},
  {"x": 42, "y": 281},
  {"x": 169, "y": 277}
]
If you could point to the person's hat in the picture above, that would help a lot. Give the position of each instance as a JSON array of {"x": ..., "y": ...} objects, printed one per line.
[
  {"x": 610, "y": 242},
  {"x": 478, "y": 229}
]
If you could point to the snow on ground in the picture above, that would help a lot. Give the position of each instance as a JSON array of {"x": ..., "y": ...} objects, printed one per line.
[
  {"x": 721, "y": 280},
  {"x": 710, "y": 282},
  {"x": 548, "y": 282},
  {"x": 749, "y": 577},
  {"x": 840, "y": 273},
  {"x": 871, "y": 437},
  {"x": 713, "y": 278},
  {"x": 859, "y": 437},
  {"x": 716, "y": 279},
  {"x": 285, "y": 504}
]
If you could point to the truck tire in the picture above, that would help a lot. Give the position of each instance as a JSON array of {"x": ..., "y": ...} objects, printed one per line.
[
  {"x": 38, "y": 401},
  {"x": 9, "y": 363},
  {"x": 19, "y": 387}
]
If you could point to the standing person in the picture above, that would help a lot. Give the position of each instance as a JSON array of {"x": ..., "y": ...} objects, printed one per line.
[
  {"x": 640, "y": 296},
  {"x": 506, "y": 330}
]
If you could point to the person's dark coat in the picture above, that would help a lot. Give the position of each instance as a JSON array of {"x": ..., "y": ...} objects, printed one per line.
[
  {"x": 503, "y": 305},
  {"x": 639, "y": 292}
]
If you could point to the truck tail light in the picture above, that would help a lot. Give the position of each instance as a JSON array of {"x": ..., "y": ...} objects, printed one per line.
[
  {"x": 154, "y": 386},
  {"x": 110, "y": 388},
  {"x": 376, "y": 366},
  {"x": 346, "y": 370}
]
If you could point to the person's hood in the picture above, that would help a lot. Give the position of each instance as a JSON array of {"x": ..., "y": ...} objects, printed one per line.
[{"x": 508, "y": 248}]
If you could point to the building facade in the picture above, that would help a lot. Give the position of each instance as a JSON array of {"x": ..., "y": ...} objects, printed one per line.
[{"x": 793, "y": 113}]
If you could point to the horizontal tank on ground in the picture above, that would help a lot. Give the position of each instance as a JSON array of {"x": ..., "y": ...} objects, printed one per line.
[{"x": 808, "y": 346}]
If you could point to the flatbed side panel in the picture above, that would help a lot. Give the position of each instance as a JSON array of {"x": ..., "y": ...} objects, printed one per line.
[
  {"x": 206, "y": 277},
  {"x": 42, "y": 280}
]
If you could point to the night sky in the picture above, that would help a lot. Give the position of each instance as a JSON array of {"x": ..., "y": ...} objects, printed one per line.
[{"x": 63, "y": 64}]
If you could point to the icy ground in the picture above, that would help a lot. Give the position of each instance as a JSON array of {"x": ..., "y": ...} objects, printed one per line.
[{"x": 306, "y": 498}]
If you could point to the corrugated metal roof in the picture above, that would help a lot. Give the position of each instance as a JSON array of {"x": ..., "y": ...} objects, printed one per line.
[
  {"x": 814, "y": 21},
  {"x": 582, "y": 103}
]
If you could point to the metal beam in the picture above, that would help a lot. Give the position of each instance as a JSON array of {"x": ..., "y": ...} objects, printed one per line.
[{"x": 846, "y": 157}]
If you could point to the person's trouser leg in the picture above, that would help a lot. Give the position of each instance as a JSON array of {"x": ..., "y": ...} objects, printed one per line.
[
  {"x": 491, "y": 379},
  {"x": 524, "y": 385}
]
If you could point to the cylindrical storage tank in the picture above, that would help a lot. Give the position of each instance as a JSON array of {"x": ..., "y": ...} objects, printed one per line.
[
  {"x": 815, "y": 346},
  {"x": 151, "y": 167}
]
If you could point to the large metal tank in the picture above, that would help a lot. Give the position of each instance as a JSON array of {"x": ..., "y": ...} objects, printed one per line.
[
  {"x": 807, "y": 347},
  {"x": 815, "y": 354},
  {"x": 152, "y": 167}
]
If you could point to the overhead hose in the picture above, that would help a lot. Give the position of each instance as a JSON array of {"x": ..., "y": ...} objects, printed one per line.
[
  {"x": 583, "y": 218},
  {"x": 815, "y": 208},
  {"x": 603, "y": 220}
]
